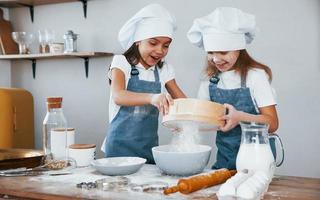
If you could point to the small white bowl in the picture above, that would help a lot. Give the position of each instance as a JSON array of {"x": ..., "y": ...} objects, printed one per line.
[
  {"x": 181, "y": 163},
  {"x": 118, "y": 165}
]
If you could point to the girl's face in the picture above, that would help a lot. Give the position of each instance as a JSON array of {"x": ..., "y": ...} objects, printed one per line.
[
  {"x": 223, "y": 60},
  {"x": 152, "y": 50}
]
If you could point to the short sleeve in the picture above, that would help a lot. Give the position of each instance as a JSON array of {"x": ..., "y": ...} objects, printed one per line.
[
  {"x": 263, "y": 93},
  {"x": 120, "y": 62},
  {"x": 167, "y": 73},
  {"x": 203, "y": 92}
]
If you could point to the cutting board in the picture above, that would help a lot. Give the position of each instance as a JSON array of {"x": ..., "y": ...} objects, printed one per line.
[{"x": 7, "y": 45}]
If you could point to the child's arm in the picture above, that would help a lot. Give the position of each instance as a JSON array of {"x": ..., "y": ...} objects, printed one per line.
[
  {"x": 268, "y": 115},
  {"x": 123, "y": 97},
  {"x": 174, "y": 90}
]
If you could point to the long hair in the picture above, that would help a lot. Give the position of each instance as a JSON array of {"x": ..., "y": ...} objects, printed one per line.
[
  {"x": 243, "y": 64},
  {"x": 133, "y": 57}
]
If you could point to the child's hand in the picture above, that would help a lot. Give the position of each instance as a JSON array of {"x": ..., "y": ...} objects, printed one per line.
[
  {"x": 175, "y": 130},
  {"x": 232, "y": 118},
  {"x": 162, "y": 102}
]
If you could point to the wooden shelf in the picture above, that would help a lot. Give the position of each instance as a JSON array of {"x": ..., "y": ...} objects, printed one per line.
[
  {"x": 21, "y": 3},
  {"x": 54, "y": 55},
  {"x": 31, "y": 3},
  {"x": 35, "y": 57}
]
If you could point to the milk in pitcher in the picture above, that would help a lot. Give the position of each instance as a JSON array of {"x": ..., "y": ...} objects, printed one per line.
[{"x": 255, "y": 157}]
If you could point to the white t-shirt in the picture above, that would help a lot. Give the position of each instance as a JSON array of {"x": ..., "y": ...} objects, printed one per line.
[
  {"x": 166, "y": 73},
  {"x": 262, "y": 93}
]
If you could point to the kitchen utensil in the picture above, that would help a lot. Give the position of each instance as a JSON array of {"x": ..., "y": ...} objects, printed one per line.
[
  {"x": 194, "y": 183},
  {"x": 115, "y": 166},
  {"x": 181, "y": 163},
  {"x": 201, "y": 113},
  {"x": 7, "y": 45},
  {"x": 111, "y": 183},
  {"x": 255, "y": 152},
  {"x": 15, "y": 158},
  {"x": 21, "y": 173},
  {"x": 36, "y": 171},
  {"x": 23, "y": 39},
  {"x": 157, "y": 186}
]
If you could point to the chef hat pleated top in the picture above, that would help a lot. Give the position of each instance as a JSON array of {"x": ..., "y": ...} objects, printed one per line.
[
  {"x": 225, "y": 29},
  {"x": 151, "y": 21}
]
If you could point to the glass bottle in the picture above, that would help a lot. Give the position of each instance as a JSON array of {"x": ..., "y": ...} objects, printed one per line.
[{"x": 55, "y": 135}]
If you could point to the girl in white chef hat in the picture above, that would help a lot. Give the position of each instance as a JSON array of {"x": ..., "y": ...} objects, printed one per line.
[
  {"x": 235, "y": 79},
  {"x": 138, "y": 78}
]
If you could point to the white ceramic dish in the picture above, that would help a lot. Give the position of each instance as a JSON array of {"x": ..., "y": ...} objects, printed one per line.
[
  {"x": 181, "y": 163},
  {"x": 118, "y": 165}
]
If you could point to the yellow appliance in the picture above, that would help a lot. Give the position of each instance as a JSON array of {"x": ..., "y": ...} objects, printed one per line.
[{"x": 16, "y": 118}]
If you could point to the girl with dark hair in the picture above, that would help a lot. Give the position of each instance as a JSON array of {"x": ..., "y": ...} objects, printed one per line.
[{"x": 138, "y": 78}]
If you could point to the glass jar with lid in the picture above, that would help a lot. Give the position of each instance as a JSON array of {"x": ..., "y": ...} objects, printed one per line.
[{"x": 55, "y": 135}]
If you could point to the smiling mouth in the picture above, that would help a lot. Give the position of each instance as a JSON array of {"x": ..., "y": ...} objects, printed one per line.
[
  {"x": 221, "y": 65},
  {"x": 155, "y": 58}
]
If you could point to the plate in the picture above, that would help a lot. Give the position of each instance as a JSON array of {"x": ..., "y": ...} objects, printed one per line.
[{"x": 115, "y": 166}]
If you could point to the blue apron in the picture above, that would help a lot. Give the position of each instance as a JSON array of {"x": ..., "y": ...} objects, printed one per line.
[
  {"x": 133, "y": 131},
  {"x": 228, "y": 143}
]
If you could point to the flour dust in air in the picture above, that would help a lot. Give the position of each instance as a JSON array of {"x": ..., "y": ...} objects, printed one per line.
[{"x": 187, "y": 139}]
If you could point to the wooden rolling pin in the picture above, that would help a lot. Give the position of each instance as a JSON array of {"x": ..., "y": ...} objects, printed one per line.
[{"x": 194, "y": 183}]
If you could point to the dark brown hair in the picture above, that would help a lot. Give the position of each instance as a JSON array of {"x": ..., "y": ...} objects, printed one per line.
[
  {"x": 243, "y": 64},
  {"x": 133, "y": 57}
]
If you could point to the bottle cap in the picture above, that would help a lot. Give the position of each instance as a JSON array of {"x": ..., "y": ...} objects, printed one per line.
[{"x": 54, "y": 102}]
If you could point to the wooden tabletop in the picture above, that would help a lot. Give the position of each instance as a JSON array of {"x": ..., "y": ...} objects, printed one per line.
[{"x": 282, "y": 187}]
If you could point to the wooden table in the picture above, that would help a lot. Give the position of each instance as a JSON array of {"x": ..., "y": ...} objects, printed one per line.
[{"x": 282, "y": 187}]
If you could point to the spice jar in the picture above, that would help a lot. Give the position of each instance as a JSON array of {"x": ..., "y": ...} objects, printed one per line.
[
  {"x": 55, "y": 135},
  {"x": 70, "y": 42}
]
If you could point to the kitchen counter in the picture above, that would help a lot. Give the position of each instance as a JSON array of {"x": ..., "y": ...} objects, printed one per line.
[{"x": 64, "y": 187}]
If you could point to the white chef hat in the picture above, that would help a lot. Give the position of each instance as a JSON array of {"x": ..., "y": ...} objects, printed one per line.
[
  {"x": 225, "y": 29},
  {"x": 151, "y": 21}
]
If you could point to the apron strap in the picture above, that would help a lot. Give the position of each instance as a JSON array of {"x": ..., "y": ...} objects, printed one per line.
[
  {"x": 215, "y": 78},
  {"x": 243, "y": 82},
  {"x": 156, "y": 74},
  {"x": 134, "y": 72}
]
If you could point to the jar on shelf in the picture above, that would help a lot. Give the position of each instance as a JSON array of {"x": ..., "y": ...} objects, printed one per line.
[
  {"x": 55, "y": 135},
  {"x": 70, "y": 41}
]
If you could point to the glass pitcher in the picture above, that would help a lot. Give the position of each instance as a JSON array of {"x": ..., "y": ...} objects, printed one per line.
[{"x": 255, "y": 152}]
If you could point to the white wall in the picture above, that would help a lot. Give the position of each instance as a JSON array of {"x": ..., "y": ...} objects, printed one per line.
[
  {"x": 5, "y": 66},
  {"x": 288, "y": 41}
]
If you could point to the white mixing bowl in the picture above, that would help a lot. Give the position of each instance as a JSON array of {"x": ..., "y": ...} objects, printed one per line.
[
  {"x": 181, "y": 163},
  {"x": 116, "y": 166}
]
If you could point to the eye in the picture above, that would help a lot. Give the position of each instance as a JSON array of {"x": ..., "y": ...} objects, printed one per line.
[
  {"x": 152, "y": 42},
  {"x": 166, "y": 46}
]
